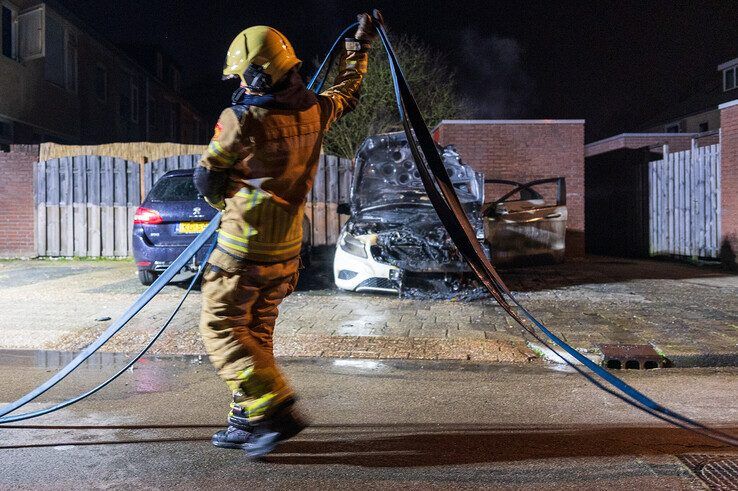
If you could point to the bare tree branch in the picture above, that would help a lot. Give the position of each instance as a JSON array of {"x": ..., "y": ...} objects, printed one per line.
[{"x": 431, "y": 79}]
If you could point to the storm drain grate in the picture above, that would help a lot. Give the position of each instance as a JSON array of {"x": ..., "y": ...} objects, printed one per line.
[
  {"x": 718, "y": 471},
  {"x": 631, "y": 356}
]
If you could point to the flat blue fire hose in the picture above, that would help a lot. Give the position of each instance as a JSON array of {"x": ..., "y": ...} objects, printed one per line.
[
  {"x": 446, "y": 203},
  {"x": 145, "y": 298},
  {"x": 114, "y": 328}
]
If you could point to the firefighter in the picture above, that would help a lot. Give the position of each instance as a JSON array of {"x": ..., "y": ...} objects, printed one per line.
[{"x": 258, "y": 169}]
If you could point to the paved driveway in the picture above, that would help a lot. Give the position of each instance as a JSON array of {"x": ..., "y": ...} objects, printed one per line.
[{"x": 690, "y": 313}]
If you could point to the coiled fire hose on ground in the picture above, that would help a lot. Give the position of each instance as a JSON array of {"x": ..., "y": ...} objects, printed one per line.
[{"x": 446, "y": 203}]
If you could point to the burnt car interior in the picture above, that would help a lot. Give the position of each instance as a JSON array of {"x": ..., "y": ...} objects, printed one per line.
[
  {"x": 527, "y": 191},
  {"x": 526, "y": 225}
]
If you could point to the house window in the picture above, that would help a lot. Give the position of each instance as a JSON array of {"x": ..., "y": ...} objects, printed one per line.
[
  {"x": 54, "y": 67},
  {"x": 60, "y": 66},
  {"x": 672, "y": 128},
  {"x": 31, "y": 30},
  {"x": 134, "y": 103},
  {"x": 730, "y": 78},
  {"x": 9, "y": 30},
  {"x": 704, "y": 127},
  {"x": 101, "y": 83}
]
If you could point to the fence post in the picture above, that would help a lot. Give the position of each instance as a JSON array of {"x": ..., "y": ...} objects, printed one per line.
[
  {"x": 94, "y": 210},
  {"x": 120, "y": 212},
  {"x": 40, "y": 168},
  {"x": 106, "y": 201},
  {"x": 694, "y": 237},
  {"x": 331, "y": 207},
  {"x": 79, "y": 204},
  {"x": 319, "y": 222},
  {"x": 133, "y": 199},
  {"x": 345, "y": 174},
  {"x": 142, "y": 177},
  {"x": 52, "y": 208},
  {"x": 66, "y": 191}
]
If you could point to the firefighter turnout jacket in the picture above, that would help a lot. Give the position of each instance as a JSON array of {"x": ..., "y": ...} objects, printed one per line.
[{"x": 262, "y": 161}]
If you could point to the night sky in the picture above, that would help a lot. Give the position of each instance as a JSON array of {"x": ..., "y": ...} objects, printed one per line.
[{"x": 615, "y": 64}]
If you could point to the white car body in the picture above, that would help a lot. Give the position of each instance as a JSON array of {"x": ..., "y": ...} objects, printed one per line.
[
  {"x": 363, "y": 274},
  {"x": 393, "y": 232}
]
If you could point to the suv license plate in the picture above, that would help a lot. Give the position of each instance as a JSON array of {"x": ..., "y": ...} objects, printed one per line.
[{"x": 191, "y": 227}]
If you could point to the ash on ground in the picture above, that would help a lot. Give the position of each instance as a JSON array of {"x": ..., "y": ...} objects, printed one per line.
[{"x": 458, "y": 287}]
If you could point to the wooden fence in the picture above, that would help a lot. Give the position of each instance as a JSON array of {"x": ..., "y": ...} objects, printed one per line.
[
  {"x": 332, "y": 186},
  {"x": 85, "y": 204},
  {"x": 684, "y": 200}
]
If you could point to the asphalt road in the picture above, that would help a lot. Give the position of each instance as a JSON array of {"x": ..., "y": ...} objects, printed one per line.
[{"x": 375, "y": 425}]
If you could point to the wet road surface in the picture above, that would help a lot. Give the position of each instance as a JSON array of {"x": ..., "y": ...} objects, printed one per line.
[{"x": 375, "y": 425}]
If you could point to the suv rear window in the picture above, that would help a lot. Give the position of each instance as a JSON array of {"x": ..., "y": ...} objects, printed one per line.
[{"x": 180, "y": 188}]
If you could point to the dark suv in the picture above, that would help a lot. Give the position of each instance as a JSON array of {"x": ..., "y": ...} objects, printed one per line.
[
  {"x": 169, "y": 219},
  {"x": 167, "y": 222}
]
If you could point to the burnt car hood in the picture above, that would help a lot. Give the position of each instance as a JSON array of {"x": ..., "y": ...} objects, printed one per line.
[
  {"x": 390, "y": 206},
  {"x": 385, "y": 175}
]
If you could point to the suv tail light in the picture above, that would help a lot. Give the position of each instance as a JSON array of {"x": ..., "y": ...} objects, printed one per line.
[{"x": 147, "y": 216}]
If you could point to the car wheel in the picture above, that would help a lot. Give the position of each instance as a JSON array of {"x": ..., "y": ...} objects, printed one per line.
[{"x": 146, "y": 277}]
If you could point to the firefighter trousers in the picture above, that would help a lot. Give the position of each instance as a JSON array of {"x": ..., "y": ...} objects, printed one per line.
[{"x": 239, "y": 311}]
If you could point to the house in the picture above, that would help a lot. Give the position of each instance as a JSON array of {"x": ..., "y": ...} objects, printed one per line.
[
  {"x": 61, "y": 81},
  {"x": 691, "y": 147},
  {"x": 698, "y": 111}
]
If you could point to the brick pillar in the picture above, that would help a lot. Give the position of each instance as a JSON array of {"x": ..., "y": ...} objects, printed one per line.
[
  {"x": 17, "y": 206},
  {"x": 729, "y": 183}
]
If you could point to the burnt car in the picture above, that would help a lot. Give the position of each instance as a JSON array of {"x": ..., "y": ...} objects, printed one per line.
[
  {"x": 393, "y": 239},
  {"x": 527, "y": 224}
]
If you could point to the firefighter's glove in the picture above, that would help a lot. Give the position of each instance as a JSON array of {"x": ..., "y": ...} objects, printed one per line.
[
  {"x": 366, "y": 32},
  {"x": 216, "y": 202}
]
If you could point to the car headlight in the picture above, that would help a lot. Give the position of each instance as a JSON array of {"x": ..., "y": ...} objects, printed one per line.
[{"x": 353, "y": 246}]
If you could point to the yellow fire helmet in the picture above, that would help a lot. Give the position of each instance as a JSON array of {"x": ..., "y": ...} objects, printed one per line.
[{"x": 260, "y": 56}]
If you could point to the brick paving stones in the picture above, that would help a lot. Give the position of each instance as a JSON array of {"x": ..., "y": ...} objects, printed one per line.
[{"x": 688, "y": 313}]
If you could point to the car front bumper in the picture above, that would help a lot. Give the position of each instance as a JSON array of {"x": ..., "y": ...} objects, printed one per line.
[{"x": 356, "y": 273}]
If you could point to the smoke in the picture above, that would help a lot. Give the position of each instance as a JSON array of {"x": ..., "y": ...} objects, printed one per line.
[{"x": 493, "y": 77}]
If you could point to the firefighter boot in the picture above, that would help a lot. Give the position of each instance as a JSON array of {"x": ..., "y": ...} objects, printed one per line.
[
  {"x": 238, "y": 431},
  {"x": 284, "y": 423}
]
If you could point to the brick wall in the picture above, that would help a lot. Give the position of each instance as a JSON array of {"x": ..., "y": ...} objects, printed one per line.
[
  {"x": 17, "y": 230},
  {"x": 523, "y": 151},
  {"x": 729, "y": 182}
]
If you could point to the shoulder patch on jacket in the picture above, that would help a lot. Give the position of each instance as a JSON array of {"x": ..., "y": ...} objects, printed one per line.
[{"x": 217, "y": 130}]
